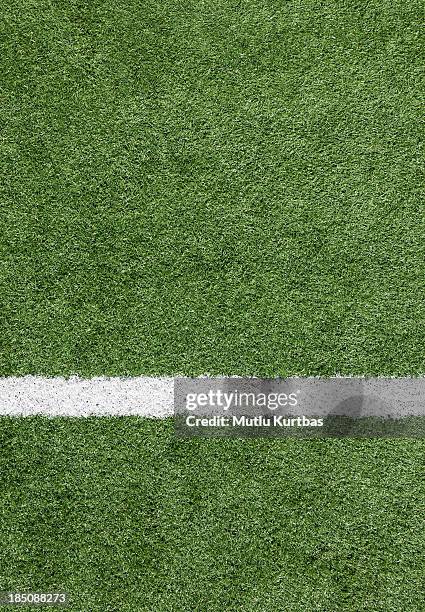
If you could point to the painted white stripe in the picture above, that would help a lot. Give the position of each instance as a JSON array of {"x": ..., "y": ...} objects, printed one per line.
[
  {"x": 78, "y": 397},
  {"x": 154, "y": 397}
]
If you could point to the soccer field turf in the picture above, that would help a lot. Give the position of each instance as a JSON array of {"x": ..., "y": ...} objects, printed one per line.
[
  {"x": 125, "y": 517},
  {"x": 231, "y": 187},
  {"x": 221, "y": 188}
]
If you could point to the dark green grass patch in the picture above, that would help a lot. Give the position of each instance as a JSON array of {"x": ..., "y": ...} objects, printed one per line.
[
  {"x": 225, "y": 187},
  {"x": 124, "y": 516}
]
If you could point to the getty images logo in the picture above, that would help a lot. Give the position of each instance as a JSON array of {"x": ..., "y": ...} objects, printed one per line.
[{"x": 226, "y": 400}]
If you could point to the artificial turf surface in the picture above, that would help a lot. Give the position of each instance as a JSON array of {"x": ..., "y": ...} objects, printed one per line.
[
  {"x": 124, "y": 516},
  {"x": 223, "y": 188}
]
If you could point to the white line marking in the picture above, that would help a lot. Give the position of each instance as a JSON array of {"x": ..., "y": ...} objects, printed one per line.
[
  {"x": 154, "y": 397},
  {"x": 79, "y": 397}
]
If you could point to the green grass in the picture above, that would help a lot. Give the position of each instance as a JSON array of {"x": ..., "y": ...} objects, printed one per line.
[
  {"x": 126, "y": 517},
  {"x": 225, "y": 187}
]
